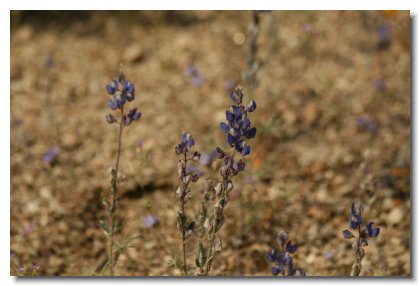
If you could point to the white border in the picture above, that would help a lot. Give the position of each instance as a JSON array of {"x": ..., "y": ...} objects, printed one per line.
[
  {"x": 214, "y": 5},
  {"x": 6, "y": 6}
]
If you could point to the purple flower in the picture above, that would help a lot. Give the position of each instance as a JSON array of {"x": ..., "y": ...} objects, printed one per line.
[
  {"x": 291, "y": 248},
  {"x": 28, "y": 229},
  {"x": 307, "y": 27},
  {"x": 380, "y": 84},
  {"x": 49, "y": 62},
  {"x": 272, "y": 256},
  {"x": 329, "y": 255},
  {"x": 282, "y": 259},
  {"x": 35, "y": 267},
  {"x": 131, "y": 116},
  {"x": 122, "y": 91},
  {"x": 347, "y": 234},
  {"x": 185, "y": 145},
  {"x": 230, "y": 84},
  {"x": 207, "y": 158},
  {"x": 150, "y": 221},
  {"x": 191, "y": 169},
  {"x": 363, "y": 234},
  {"x": 249, "y": 180},
  {"x": 51, "y": 155},
  {"x": 384, "y": 35},
  {"x": 367, "y": 124},
  {"x": 238, "y": 126},
  {"x": 355, "y": 216},
  {"x": 195, "y": 74},
  {"x": 372, "y": 232}
]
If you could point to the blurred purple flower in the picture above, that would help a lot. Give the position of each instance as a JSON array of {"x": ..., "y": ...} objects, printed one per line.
[
  {"x": 249, "y": 180},
  {"x": 207, "y": 158},
  {"x": 49, "y": 62},
  {"x": 197, "y": 77},
  {"x": 307, "y": 27},
  {"x": 140, "y": 143},
  {"x": 51, "y": 155},
  {"x": 379, "y": 84},
  {"x": 28, "y": 229},
  {"x": 367, "y": 124},
  {"x": 235, "y": 193},
  {"x": 22, "y": 269},
  {"x": 150, "y": 221},
  {"x": 35, "y": 267},
  {"x": 191, "y": 169},
  {"x": 328, "y": 255},
  {"x": 384, "y": 35},
  {"x": 230, "y": 84}
]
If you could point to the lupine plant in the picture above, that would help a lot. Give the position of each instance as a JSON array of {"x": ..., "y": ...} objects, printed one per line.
[
  {"x": 121, "y": 92},
  {"x": 186, "y": 176},
  {"x": 281, "y": 259},
  {"x": 361, "y": 240},
  {"x": 238, "y": 130}
]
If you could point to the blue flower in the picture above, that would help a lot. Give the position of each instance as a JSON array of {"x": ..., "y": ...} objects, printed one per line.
[
  {"x": 291, "y": 248},
  {"x": 355, "y": 216},
  {"x": 281, "y": 256},
  {"x": 150, "y": 221},
  {"x": 272, "y": 256},
  {"x": 363, "y": 233},
  {"x": 186, "y": 143},
  {"x": 131, "y": 116},
  {"x": 51, "y": 155},
  {"x": 372, "y": 232},
  {"x": 121, "y": 91},
  {"x": 347, "y": 234},
  {"x": 238, "y": 126},
  {"x": 197, "y": 77}
]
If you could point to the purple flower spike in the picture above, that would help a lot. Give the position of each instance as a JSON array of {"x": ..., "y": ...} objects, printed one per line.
[
  {"x": 121, "y": 91},
  {"x": 238, "y": 127},
  {"x": 282, "y": 256}
]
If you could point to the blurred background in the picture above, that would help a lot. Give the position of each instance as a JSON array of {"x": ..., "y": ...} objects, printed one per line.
[{"x": 333, "y": 120}]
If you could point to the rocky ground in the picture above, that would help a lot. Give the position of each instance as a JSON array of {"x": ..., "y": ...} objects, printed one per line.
[{"x": 333, "y": 122}]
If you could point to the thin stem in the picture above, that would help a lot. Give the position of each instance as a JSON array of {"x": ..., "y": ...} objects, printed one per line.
[
  {"x": 114, "y": 188},
  {"x": 212, "y": 235},
  {"x": 357, "y": 265},
  {"x": 182, "y": 207}
]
